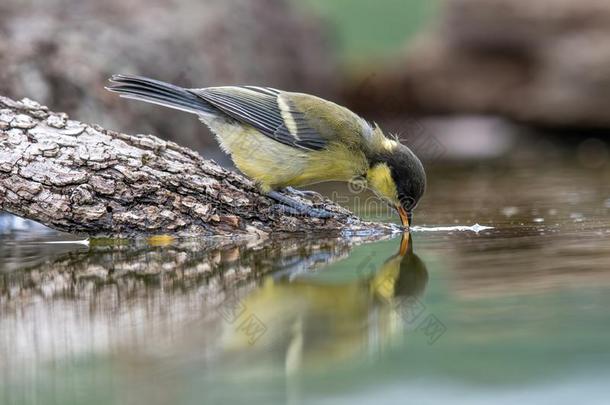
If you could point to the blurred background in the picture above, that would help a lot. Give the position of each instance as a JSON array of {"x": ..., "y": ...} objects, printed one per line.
[
  {"x": 506, "y": 101},
  {"x": 543, "y": 64}
]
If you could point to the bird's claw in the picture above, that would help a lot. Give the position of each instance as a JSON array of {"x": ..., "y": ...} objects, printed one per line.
[
  {"x": 308, "y": 194},
  {"x": 290, "y": 206},
  {"x": 308, "y": 212}
]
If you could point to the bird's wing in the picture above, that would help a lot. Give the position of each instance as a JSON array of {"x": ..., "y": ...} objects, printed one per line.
[{"x": 294, "y": 119}]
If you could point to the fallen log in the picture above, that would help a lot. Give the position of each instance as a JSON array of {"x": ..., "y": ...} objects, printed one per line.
[{"x": 82, "y": 178}]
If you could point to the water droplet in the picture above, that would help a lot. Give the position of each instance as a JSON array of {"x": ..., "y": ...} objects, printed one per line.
[{"x": 538, "y": 220}]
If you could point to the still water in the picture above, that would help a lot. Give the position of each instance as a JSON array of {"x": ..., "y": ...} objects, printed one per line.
[{"x": 516, "y": 313}]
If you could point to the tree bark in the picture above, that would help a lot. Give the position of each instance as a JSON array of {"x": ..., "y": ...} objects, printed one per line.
[{"x": 82, "y": 178}]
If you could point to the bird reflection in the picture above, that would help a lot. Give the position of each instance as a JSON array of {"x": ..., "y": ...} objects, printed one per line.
[{"x": 308, "y": 323}]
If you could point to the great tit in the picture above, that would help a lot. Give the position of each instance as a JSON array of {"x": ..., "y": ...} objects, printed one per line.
[{"x": 283, "y": 139}]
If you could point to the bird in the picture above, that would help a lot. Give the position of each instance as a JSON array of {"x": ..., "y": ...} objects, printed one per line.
[{"x": 282, "y": 140}]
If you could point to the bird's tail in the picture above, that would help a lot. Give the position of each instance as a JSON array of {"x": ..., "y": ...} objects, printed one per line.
[{"x": 158, "y": 92}]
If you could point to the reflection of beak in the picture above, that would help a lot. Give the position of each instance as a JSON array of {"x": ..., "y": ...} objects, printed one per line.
[
  {"x": 405, "y": 216},
  {"x": 404, "y": 244}
]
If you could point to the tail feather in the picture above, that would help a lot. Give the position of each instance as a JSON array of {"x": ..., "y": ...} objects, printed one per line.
[{"x": 158, "y": 92}]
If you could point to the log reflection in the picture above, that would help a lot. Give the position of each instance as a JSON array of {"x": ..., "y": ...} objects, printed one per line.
[{"x": 121, "y": 294}]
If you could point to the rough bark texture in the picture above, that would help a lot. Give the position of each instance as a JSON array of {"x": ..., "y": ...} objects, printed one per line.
[{"x": 82, "y": 178}]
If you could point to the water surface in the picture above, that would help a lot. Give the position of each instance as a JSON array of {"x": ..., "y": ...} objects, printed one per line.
[{"x": 517, "y": 313}]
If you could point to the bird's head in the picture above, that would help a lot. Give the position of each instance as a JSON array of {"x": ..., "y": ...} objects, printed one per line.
[{"x": 397, "y": 176}]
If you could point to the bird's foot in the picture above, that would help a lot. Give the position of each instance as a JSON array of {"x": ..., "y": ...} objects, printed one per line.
[
  {"x": 306, "y": 212},
  {"x": 290, "y": 206},
  {"x": 309, "y": 194}
]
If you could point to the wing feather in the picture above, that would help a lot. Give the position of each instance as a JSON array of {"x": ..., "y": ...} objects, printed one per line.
[{"x": 268, "y": 110}]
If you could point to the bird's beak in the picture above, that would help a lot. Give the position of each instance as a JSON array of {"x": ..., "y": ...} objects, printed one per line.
[{"x": 405, "y": 216}]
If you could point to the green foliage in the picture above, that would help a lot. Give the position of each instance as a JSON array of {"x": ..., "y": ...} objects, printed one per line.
[{"x": 366, "y": 29}]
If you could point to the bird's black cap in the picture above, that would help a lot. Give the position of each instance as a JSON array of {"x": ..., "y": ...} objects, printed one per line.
[{"x": 408, "y": 175}]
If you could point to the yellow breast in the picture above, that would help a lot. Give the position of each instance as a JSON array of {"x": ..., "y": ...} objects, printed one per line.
[{"x": 274, "y": 165}]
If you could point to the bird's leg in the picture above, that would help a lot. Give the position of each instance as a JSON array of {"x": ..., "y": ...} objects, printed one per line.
[
  {"x": 291, "y": 206},
  {"x": 304, "y": 193}
]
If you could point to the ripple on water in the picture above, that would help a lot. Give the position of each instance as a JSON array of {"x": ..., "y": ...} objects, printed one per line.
[{"x": 462, "y": 228}]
